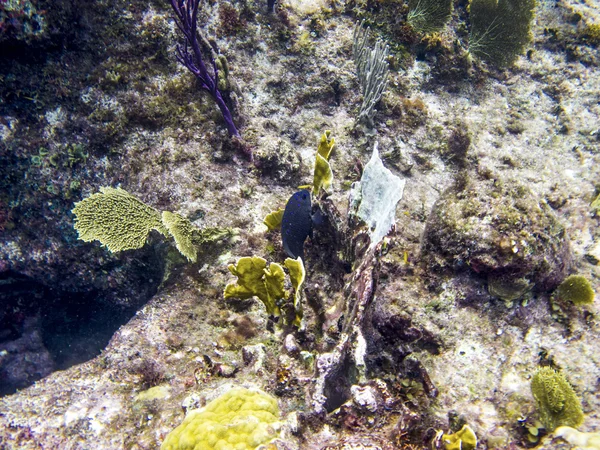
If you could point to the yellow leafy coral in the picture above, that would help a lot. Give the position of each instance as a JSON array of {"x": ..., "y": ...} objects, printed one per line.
[
  {"x": 323, "y": 175},
  {"x": 297, "y": 276},
  {"x": 241, "y": 419},
  {"x": 273, "y": 219},
  {"x": 464, "y": 439},
  {"x": 254, "y": 279}
]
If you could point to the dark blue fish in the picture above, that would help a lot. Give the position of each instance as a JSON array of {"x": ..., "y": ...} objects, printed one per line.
[{"x": 296, "y": 224}]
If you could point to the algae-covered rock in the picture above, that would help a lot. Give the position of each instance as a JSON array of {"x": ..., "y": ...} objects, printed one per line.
[
  {"x": 501, "y": 231},
  {"x": 278, "y": 159},
  {"x": 21, "y": 21}
]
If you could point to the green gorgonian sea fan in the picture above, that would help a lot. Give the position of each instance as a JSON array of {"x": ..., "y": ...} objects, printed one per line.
[
  {"x": 427, "y": 16},
  {"x": 121, "y": 221},
  {"x": 500, "y": 29},
  {"x": 117, "y": 219}
]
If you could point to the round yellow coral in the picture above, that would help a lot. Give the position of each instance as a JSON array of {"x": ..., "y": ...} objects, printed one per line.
[{"x": 241, "y": 419}]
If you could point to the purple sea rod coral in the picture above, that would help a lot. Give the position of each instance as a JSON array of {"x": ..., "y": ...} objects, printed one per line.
[{"x": 186, "y": 12}]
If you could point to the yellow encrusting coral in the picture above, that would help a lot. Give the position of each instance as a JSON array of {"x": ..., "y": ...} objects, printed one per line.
[{"x": 241, "y": 419}]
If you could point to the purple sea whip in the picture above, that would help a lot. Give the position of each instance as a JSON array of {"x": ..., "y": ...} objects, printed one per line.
[{"x": 186, "y": 12}]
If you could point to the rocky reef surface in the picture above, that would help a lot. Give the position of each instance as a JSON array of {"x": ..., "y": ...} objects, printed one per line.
[{"x": 442, "y": 324}]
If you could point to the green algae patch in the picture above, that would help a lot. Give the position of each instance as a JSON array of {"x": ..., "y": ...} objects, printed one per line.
[
  {"x": 154, "y": 393},
  {"x": 241, "y": 419},
  {"x": 577, "y": 290},
  {"x": 557, "y": 402}
]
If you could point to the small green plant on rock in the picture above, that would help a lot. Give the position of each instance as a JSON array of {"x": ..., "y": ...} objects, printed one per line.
[
  {"x": 557, "y": 402},
  {"x": 427, "y": 16},
  {"x": 575, "y": 289},
  {"x": 591, "y": 34}
]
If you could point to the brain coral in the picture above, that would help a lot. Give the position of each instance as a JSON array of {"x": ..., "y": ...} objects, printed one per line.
[{"x": 241, "y": 419}]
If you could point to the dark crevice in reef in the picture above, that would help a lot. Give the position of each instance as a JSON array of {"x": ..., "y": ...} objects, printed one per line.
[{"x": 43, "y": 329}]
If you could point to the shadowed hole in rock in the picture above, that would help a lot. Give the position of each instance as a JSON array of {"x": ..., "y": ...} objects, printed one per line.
[{"x": 44, "y": 329}]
